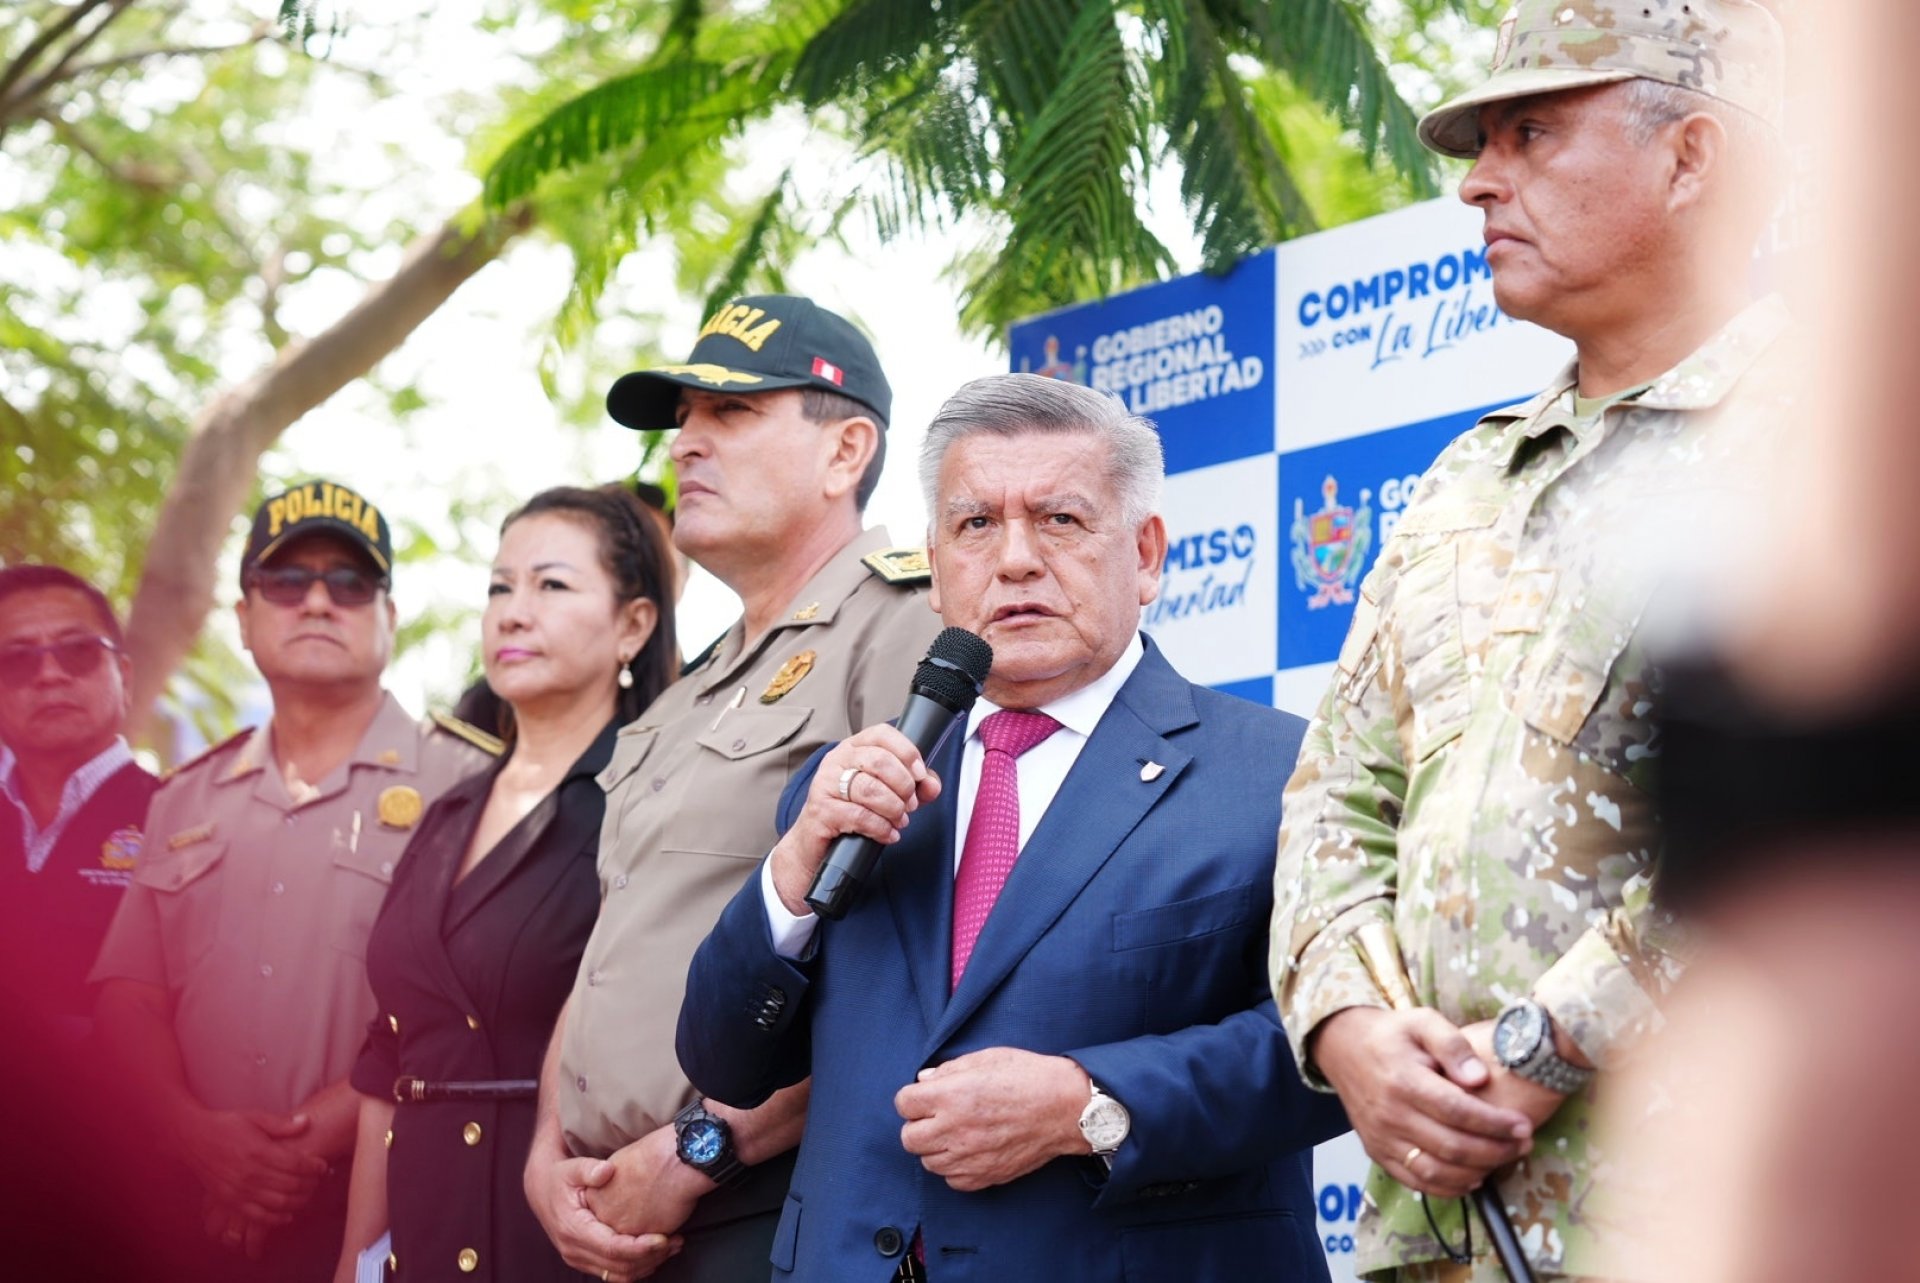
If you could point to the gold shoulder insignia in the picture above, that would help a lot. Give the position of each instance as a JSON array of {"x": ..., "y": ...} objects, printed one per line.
[
  {"x": 492, "y": 745},
  {"x": 899, "y": 565},
  {"x": 700, "y": 660},
  {"x": 205, "y": 755}
]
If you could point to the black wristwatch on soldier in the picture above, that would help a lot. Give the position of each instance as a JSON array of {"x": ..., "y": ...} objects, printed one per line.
[{"x": 704, "y": 1142}]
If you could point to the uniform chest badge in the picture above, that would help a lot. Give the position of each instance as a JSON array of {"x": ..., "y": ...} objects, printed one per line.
[
  {"x": 187, "y": 837},
  {"x": 121, "y": 849},
  {"x": 788, "y": 677},
  {"x": 399, "y": 807}
]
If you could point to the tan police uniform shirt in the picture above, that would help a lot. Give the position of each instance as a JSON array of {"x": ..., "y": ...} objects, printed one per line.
[
  {"x": 252, "y": 908},
  {"x": 690, "y": 814}
]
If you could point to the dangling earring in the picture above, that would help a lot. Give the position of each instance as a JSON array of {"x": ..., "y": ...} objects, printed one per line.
[{"x": 625, "y": 678}]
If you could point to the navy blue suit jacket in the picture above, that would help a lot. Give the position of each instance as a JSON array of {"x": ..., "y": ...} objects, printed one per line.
[{"x": 1131, "y": 936}]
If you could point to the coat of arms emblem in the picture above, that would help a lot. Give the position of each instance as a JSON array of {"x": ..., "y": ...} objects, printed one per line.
[{"x": 1330, "y": 546}]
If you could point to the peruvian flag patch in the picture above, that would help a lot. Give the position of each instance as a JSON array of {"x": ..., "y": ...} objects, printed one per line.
[{"x": 824, "y": 369}]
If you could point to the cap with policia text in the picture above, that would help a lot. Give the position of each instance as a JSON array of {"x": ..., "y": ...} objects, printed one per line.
[
  {"x": 318, "y": 507},
  {"x": 760, "y": 343},
  {"x": 1731, "y": 50}
]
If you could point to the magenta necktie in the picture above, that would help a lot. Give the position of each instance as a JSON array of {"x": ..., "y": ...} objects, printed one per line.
[{"x": 993, "y": 834}]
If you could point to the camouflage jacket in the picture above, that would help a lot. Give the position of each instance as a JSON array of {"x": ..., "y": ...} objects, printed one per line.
[{"x": 1478, "y": 773}]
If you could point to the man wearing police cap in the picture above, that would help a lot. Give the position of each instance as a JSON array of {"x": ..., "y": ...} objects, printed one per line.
[
  {"x": 781, "y": 412},
  {"x": 1473, "y": 801},
  {"x": 233, "y": 981}
]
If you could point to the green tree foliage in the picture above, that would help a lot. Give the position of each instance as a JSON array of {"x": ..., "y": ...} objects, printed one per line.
[
  {"x": 1046, "y": 120},
  {"x": 126, "y": 246},
  {"x": 163, "y": 210},
  {"x": 131, "y": 191}
]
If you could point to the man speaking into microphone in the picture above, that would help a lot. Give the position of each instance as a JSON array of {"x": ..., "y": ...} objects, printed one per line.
[{"x": 1040, "y": 1038}]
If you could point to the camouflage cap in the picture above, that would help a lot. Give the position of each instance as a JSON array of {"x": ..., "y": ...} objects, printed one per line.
[{"x": 1727, "y": 49}]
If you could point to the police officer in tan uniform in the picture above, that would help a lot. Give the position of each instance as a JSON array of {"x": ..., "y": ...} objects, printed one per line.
[
  {"x": 233, "y": 981},
  {"x": 781, "y": 411}
]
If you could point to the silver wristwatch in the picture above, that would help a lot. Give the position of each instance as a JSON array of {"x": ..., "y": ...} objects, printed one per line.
[
  {"x": 1105, "y": 1123},
  {"x": 1523, "y": 1041}
]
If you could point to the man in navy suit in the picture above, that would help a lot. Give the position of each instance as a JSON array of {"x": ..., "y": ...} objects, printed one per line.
[{"x": 1042, "y": 1045}]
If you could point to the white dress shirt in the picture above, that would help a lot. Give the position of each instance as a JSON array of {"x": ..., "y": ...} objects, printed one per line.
[
  {"x": 77, "y": 792},
  {"x": 1042, "y": 770}
]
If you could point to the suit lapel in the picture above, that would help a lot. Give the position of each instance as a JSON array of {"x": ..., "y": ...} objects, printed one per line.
[
  {"x": 918, "y": 876},
  {"x": 559, "y": 823},
  {"x": 1101, "y": 801},
  {"x": 453, "y": 819},
  {"x": 547, "y": 823}
]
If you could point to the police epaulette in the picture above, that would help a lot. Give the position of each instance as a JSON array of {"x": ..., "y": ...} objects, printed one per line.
[
  {"x": 703, "y": 656},
  {"x": 492, "y": 745},
  {"x": 205, "y": 754},
  {"x": 899, "y": 565}
]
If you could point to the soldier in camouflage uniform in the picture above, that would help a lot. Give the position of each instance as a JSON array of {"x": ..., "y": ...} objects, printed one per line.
[{"x": 1477, "y": 779}]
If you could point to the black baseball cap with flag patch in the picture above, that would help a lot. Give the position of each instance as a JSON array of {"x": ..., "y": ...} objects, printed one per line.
[
  {"x": 318, "y": 507},
  {"x": 760, "y": 343}
]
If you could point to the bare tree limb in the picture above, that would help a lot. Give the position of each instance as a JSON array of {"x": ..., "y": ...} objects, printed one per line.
[
  {"x": 166, "y": 51},
  {"x": 219, "y": 464},
  {"x": 142, "y": 176},
  {"x": 11, "y": 103},
  {"x": 45, "y": 41}
]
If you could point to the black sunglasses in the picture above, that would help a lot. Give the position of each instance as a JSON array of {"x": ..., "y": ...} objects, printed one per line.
[
  {"x": 77, "y": 657},
  {"x": 289, "y": 585}
]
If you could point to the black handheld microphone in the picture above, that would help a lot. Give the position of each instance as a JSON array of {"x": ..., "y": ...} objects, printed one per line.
[{"x": 944, "y": 688}]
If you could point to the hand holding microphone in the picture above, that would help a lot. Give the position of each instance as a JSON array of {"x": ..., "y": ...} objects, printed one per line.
[{"x": 870, "y": 783}]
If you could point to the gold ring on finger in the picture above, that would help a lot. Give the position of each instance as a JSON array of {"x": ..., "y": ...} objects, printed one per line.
[
  {"x": 604, "y": 1273},
  {"x": 1412, "y": 1154},
  {"x": 846, "y": 783}
]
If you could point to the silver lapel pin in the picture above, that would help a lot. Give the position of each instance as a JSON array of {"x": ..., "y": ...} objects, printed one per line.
[{"x": 1150, "y": 771}]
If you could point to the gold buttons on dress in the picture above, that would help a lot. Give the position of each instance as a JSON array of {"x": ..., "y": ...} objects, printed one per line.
[
  {"x": 473, "y": 1022},
  {"x": 389, "y": 1138},
  {"x": 393, "y": 1022},
  {"x": 469, "y": 1260},
  {"x": 471, "y": 1133}
]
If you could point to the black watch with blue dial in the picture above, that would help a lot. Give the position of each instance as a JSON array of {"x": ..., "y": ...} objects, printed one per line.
[{"x": 704, "y": 1142}]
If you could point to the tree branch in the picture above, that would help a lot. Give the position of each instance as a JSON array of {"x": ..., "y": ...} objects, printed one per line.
[
  {"x": 143, "y": 177},
  {"x": 45, "y": 41},
  {"x": 10, "y": 104},
  {"x": 167, "y": 51},
  {"x": 222, "y": 455}
]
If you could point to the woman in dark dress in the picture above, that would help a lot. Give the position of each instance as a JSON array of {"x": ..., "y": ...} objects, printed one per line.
[{"x": 476, "y": 946}]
